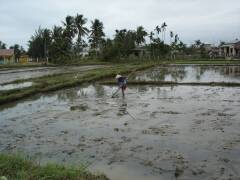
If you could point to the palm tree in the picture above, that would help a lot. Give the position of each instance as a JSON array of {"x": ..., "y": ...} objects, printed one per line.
[
  {"x": 151, "y": 36},
  {"x": 80, "y": 21},
  {"x": 96, "y": 35},
  {"x": 59, "y": 46},
  {"x": 198, "y": 43},
  {"x": 158, "y": 29},
  {"x": 57, "y": 33},
  {"x": 140, "y": 35},
  {"x": 176, "y": 38},
  {"x": 171, "y": 36},
  {"x": 2, "y": 45},
  {"x": 70, "y": 29}
]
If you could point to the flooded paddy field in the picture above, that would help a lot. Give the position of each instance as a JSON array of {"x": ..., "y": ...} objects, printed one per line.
[
  {"x": 156, "y": 132},
  {"x": 9, "y": 75},
  {"x": 15, "y": 86},
  {"x": 190, "y": 73}
]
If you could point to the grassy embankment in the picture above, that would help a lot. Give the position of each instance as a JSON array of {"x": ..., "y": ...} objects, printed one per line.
[
  {"x": 98, "y": 62},
  {"x": 56, "y": 82},
  {"x": 162, "y": 83},
  {"x": 16, "y": 167}
]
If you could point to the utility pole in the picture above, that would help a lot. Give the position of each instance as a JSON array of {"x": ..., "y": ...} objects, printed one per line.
[{"x": 45, "y": 50}]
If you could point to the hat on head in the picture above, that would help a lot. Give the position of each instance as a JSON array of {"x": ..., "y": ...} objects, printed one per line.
[{"x": 118, "y": 76}]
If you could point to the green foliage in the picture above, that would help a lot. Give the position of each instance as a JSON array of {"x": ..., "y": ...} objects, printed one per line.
[
  {"x": 64, "y": 44},
  {"x": 96, "y": 38},
  {"x": 2, "y": 45},
  {"x": 39, "y": 43},
  {"x": 140, "y": 35},
  {"x": 16, "y": 167},
  {"x": 58, "y": 43},
  {"x": 18, "y": 50}
]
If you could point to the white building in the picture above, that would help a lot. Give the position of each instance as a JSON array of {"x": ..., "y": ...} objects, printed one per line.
[{"x": 230, "y": 49}]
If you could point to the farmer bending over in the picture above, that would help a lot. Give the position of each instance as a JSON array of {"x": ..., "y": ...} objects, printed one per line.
[{"x": 122, "y": 83}]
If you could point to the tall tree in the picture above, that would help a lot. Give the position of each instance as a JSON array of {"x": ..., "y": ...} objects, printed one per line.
[
  {"x": 39, "y": 43},
  {"x": 69, "y": 31},
  {"x": 151, "y": 36},
  {"x": 17, "y": 51},
  {"x": 198, "y": 43},
  {"x": 59, "y": 46},
  {"x": 80, "y": 23},
  {"x": 82, "y": 31},
  {"x": 96, "y": 35},
  {"x": 140, "y": 35},
  {"x": 158, "y": 29},
  {"x": 2, "y": 45}
]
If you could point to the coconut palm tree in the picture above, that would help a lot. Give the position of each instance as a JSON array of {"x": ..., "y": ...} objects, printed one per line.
[
  {"x": 2, "y": 45},
  {"x": 158, "y": 29},
  {"x": 171, "y": 36},
  {"x": 151, "y": 36},
  {"x": 80, "y": 23},
  {"x": 96, "y": 35},
  {"x": 57, "y": 33},
  {"x": 140, "y": 35},
  {"x": 198, "y": 43},
  {"x": 176, "y": 38},
  {"x": 70, "y": 28}
]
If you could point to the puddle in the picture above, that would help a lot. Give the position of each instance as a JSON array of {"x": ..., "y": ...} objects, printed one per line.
[
  {"x": 156, "y": 132},
  {"x": 183, "y": 73},
  {"x": 15, "y": 86}
]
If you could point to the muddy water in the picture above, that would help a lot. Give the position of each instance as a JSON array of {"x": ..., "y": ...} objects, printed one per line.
[
  {"x": 26, "y": 73},
  {"x": 181, "y": 73},
  {"x": 154, "y": 133}
]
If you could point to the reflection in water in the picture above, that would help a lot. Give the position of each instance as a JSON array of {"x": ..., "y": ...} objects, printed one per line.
[
  {"x": 122, "y": 108},
  {"x": 190, "y": 74},
  {"x": 15, "y": 86},
  {"x": 84, "y": 92}
]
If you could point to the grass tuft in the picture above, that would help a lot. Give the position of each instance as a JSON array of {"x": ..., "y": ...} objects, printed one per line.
[{"x": 16, "y": 167}]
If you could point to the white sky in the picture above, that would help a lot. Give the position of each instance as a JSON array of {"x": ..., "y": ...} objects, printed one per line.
[{"x": 208, "y": 20}]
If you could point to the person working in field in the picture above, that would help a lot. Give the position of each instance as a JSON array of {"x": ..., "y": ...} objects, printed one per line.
[{"x": 122, "y": 83}]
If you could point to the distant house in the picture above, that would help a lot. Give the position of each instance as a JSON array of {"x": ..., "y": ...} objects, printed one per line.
[
  {"x": 6, "y": 56},
  {"x": 141, "y": 51},
  {"x": 230, "y": 49},
  {"x": 24, "y": 59}
]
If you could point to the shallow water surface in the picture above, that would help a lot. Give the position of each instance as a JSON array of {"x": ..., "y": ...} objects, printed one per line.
[
  {"x": 15, "y": 86},
  {"x": 182, "y": 73},
  {"x": 7, "y": 76},
  {"x": 153, "y": 133}
]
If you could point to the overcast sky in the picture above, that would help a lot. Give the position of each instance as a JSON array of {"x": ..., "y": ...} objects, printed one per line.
[{"x": 208, "y": 20}]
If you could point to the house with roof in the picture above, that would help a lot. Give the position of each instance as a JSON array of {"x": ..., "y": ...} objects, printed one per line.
[
  {"x": 230, "y": 50},
  {"x": 6, "y": 56}
]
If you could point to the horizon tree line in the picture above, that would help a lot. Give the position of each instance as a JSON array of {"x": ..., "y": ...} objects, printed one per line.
[{"x": 67, "y": 42}]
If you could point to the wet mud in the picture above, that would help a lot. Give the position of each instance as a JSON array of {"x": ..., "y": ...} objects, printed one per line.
[{"x": 180, "y": 132}]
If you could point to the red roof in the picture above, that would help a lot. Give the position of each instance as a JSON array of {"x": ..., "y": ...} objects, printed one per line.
[{"x": 6, "y": 52}]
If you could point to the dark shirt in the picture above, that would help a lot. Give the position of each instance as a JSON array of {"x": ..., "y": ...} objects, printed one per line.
[{"x": 122, "y": 81}]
